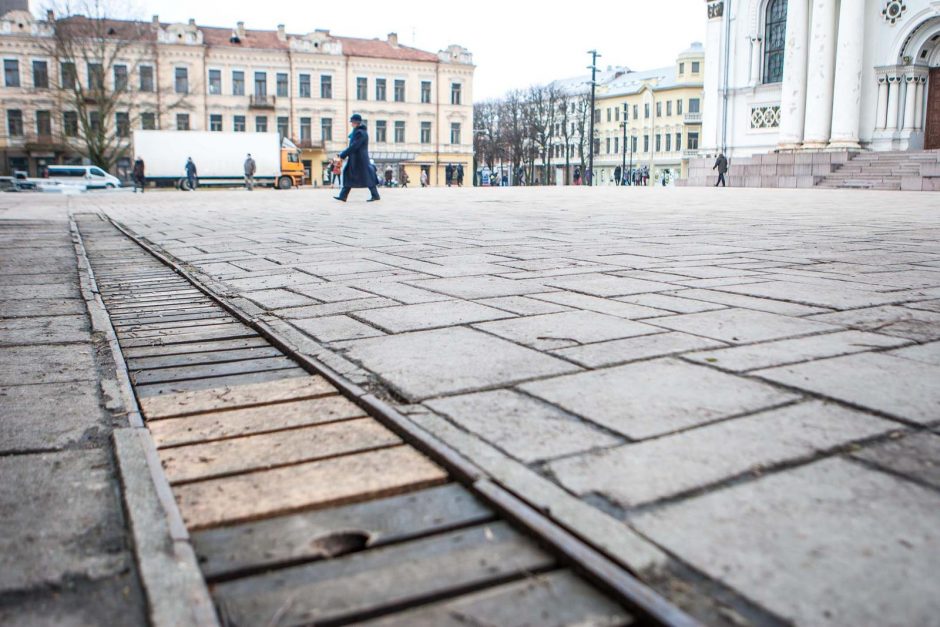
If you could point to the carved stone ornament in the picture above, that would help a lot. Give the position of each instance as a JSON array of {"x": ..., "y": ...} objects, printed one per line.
[
  {"x": 716, "y": 9},
  {"x": 893, "y": 11}
]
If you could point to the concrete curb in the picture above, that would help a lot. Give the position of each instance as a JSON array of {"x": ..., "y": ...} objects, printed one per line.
[{"x": 176, "y": 592}]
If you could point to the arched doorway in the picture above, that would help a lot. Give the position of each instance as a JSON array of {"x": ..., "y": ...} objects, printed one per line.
[{"x": 921, "y": 49}]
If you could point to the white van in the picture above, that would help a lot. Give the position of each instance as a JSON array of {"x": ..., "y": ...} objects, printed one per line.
[{"x": 90, "y": 175}]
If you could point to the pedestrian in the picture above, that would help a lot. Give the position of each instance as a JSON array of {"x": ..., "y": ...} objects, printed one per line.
[
  {"x": 389, "y": 175},
  {"x": 617, "y": 173},
  {"x": 404, "y": 179},
  {"x": 140, "y": 179},
  {"x": 721, "y": 164},
  {"x": 250, "y": 168},
  {"x": 191, "y": 173},
  {"x": 505, "y": 181},
  {"x": 424, "y": 178},
  {"x": 459, "y": 175},
  {"x": 449, "y": 174},
  {"x": 337, "y": 173},
  {"x": 359, "y": 170},
  {"x": 577, "y": 176}
]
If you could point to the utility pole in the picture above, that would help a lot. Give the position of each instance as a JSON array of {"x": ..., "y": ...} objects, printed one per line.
[
  {"x": 593, "y": 68},
  {"x": 623, "y": 163}
]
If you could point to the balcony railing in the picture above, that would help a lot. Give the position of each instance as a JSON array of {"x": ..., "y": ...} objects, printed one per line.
[
  {"x": 261, "y": 102},
  {"x": 693, "y": 118},
  {"x": 690, "y": 154},
  {"x": 309, "y": 143}
]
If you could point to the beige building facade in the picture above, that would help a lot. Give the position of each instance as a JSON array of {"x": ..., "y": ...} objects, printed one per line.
[{"x": 417, "y": 104}]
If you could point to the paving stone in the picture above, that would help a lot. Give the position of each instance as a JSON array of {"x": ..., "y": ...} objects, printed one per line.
[
  {"x": 917, "y": 456},
  {"x": 635, "y": 474},
  {"x": 85, "y": 535},
  {"x": 608, "y": 286},
  {"x": 22, "y": 365},
  {"x": 272, "y": 281},
  {"x": 525, "y": 428},
  {"x": 335, "y": 328},
  {"x": 927, "y": 353},
  {"x": 475, "y": 287},
  {"x": 334, "y": 309},
  {"x": 33, "y": 292},
  {"x": 602, "y": 305},
  {"x": 913, "y": 324},
  {"x": 35, "y": 418},
  {"x": 565, "y": 329},
  {"x": 331, "y": 293},
  {"x": 927, "y": 305},
  {"x": 898, "y": 387},
  {"x": 430, "y": 315},
  {"x": 44, "y": 330},
  {"x": 399, "y": 292},
  {"x": 41, "y": 307},
  {"x": 278, "y": 298},
  {"x": 749, "y": 302},
  {"x": 670, "y": 303},
  {"x": 635, "y": 348},
  {"x": 523, "y": 305},
  {"x": 832, "y": 543},
  {"x": 64, "y": 274},
  {"x": 783, "y": 352},
  {"x": 424, "y": 364},
  {"x": 831, "y": 296},
  {"x": 653, "y": 398},
  {"x": 742, "y": 326}
]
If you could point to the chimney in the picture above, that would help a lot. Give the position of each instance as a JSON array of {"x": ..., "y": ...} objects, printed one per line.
[
  {"x": 192, "y": 22},
  {"x": 240, "y": 29},
  {"x": 281, "y": 32},
  {"x": 393, "y": 39}
]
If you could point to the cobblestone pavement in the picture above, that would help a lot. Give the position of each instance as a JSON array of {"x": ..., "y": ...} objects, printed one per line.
[{"x": 740, "y": 388}]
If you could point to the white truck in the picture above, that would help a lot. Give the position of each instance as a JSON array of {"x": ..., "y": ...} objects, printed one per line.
[{"x": 219, "y": 158}]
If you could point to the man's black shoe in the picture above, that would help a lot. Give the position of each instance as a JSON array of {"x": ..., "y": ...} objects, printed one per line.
[
  {"x": 373, "y": 199},
  {"x": 339, "y": 198}
]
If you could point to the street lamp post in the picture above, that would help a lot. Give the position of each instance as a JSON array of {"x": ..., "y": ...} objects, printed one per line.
[
  {"x": 623, "y": 162},
  {"x": 593, "y": 68},
  {"x": 631, "y": 158}
]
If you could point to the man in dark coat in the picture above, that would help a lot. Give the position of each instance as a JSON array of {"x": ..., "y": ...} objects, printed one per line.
[
  {"x": 358, "y": 171},
  {"x": 449, "y": 174},
  {"x": 140, "y": 178},
  {"x": 617, "y": 174},
  {"x": 459, "y": 175},
  {"x": 721, "y": 164},
  {"x": 191, "y": 174}
]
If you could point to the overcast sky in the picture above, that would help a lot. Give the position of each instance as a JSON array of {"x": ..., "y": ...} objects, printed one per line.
[{"x": 514, "y": 43}]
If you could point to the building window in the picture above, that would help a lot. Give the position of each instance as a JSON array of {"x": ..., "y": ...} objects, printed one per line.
[
  {"x": 146, "y": 78},
  {"x": 148, "y": 121},
  {"x": 238, "y": 123},
  {"x": 11, "y": 72},
  {"x": 425, "y": 92},
  {"x": 681, "y": 69},
  {"x": 636, "y": 112},
  {"x": 609, "y": 114},
  {"x": 215, "y": 82},
  {"x": 679, "y": 106},
  {"x": 659, "y": 109},
  {"x": 182, "y": 121},
  {"x": 326, "y": 87},
  {"x": 668, "y": 142},
  {"x": 455, "y": 133},
  {"x": 70, "y": 123},
  {"x": 182, "y": 80},
  {"x": 646, "y": 110},
  {"x": 399, "y": 90},
  {"x": 381, "y": 135},
  {"x": 597, "y": 146},
  {"x": 455, "y": 89},
  {"x": 94, "y": 121},
  {"x": 616, "y": 145},
  {"x": 678, "y": 141},
  {"x": 633, "y": 143},
  {"x": 95, "y": 76},
  {"x": 283, "y": 126},
  {"x": 238, "y": 83},
  {"x": 597, "y": 116},
  {"x": 607, "y": 146},
  {"x": 120, "y": 78},
  {"x": 44, "y": 123},
  {"x": 15, "y": 122},
  {"x": 693, "y": 142},
  {"x": 646, "y": 143},
  {"x": 305, "y": 124},
  {"x": 215, "y": 122},
  {"x": 326, "y": 129},
  {"x": 362, "y": 88},
  {"x": 40, "y": 75},
  {"x": 282, "y": 86},
  {"x": 380, "y": 89},
  {"x": 696, "y": 67},
  {"x": 694, "y": 105},
  {"x": 399, "y": 132},
  {"x": 261, "y": 84},
  {"x": 617, "y": 113},
  {"x": 122, "y": 124},
  {"x": 425, "y": 132},
  {"x": 261, "y": 124},
  {"x": 305, "y": 86},
  {"x": 69, "y": 75},
  {"x": 668, "y": 108},
  {"x": 775, "y": 36}
]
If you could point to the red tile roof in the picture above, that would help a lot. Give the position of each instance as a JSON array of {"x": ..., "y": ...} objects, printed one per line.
[
  {"x": 381, "y": 49},
  {"x": 266, "y": 39}
]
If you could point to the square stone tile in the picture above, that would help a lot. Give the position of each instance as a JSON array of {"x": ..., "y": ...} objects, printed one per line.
[
  {"x": 783, "y": 352},
  {"x": 927, "y": 353},
  {"x": 670, "y": 303},
  {"x": 615, "y": 352},
  {"x": 608, "y": 286},
  {"x": 916, "y": 455},
  {"x": 525, "y": 428},
  {"x": 425, "y": 364},
  {"x": 750, "y": 302},
  {"x": 925, "y": 305},
  {"x": 523, "y": 305},
  {"x": 399, "y": 292},
  {"x": 45, "y": 330},
  {"x": 602, "y": 305},
  {"x": 828, "y": 544},
  {"x": 832, "y": 296},
  {"x": 913, "y": 324},
  {"x": 22, "y": 365},
  {"x": 652, "y": 398},
  {"x": 742, "y": 326},
  {"x": 474, "y": 287},
  {"x": 272, "y": 281},
  {"x": 35, "y": 418},
  {"x": 330, "y": 293},
  {"x": 566, "y": 329},
  {"x": 635, "y": 474},
  {"x": 278, "y": 298},
  {"x": 446, "y": 313},
  {"x": 335, "y": 328},
  {"x": 898, "y": 387}
]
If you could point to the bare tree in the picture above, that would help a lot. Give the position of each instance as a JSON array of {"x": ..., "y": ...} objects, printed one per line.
[
  {"x": 543, "y": 101},
  {"x": 487, "y": 137},
  {"x": 580, "y": 111},
  {"x": 513, "y": 118}
]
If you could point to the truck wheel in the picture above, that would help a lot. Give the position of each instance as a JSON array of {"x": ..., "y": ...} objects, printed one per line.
[
  {"x": 284, "y": 182},
  {"x": 183, "y": 185}
]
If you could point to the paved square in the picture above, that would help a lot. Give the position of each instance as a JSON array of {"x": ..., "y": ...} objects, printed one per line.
[
  {"x": 560, "y": 330},
  {"x": 742, "y": 326}
]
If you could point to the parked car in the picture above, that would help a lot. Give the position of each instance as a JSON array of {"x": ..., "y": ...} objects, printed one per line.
[{"x": 92, "y": 176}]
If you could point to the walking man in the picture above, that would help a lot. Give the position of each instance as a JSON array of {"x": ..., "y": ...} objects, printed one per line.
[
  {"x": 138, "y": 175},
  {"x": 358, "y": 171},
  {"x": 721, "y": 164},
  {"x": 459, "y": 175},
  {"x": 191, "y": 173},
  {"x": 424, "y": 178},
  {"x": 449, "y": 174},
  {"x": 250, "y": 169}
]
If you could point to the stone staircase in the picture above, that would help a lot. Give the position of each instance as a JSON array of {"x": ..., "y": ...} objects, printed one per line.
[{"x": 910, "y": 171}]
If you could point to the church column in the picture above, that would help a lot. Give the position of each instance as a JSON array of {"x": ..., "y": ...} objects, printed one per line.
[
  {"x": 819, "y": 83},
  {"x": 894, "y": 86},
  {"x": 847, "y": 104},
  {"x": 882, "y": 112},
  {"x": 755, "y": 60},
  {"x": 909, "y": 101},
  {"x": 919, "y": 104},
  {"x": 793, "y": 89}
]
